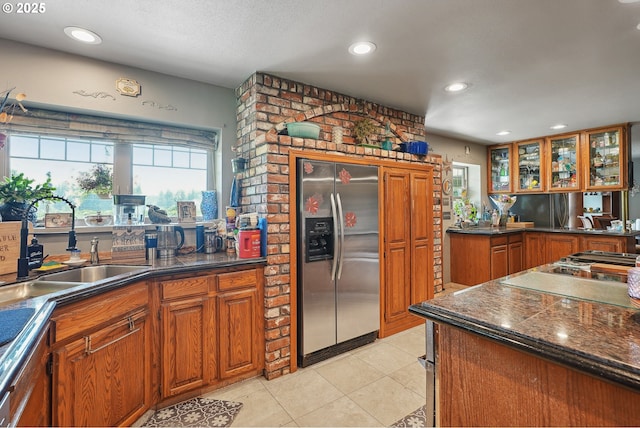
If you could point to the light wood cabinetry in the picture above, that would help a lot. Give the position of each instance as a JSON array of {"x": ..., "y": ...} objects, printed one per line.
[
  {"x": 186, "y": 326},
  {"x": 30, "y": 403},
  {"x": 102, "y": 359},
  {"x": 521, "y": 389},
  {"x": 564, "y": 163},
  {"x": 500, "y": 160},
  {"x": 408, "y": 246},
  {"x": 605, "y": 159},
  {"x": 479, "y": 258},
  {"x": 212, "y": 329},
  {"x": 587, "y": 160},
  {"x": 529, "y": 166}
]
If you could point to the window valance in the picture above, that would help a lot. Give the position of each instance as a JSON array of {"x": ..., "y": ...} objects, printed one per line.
[{"x": 47, "y": 122}]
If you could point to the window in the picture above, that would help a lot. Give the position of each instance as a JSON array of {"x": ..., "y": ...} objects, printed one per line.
[
  {"x": 459, "y": 181},
  {"x": 167, "y": 174},
  {"x": 166, "y": 164}
]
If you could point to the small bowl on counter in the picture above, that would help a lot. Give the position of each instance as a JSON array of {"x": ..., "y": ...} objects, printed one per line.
[{"x": 98, "y": 220}]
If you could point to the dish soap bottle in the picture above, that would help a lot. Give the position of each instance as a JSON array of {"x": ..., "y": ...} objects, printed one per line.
[{"x": 35, "y": 254}]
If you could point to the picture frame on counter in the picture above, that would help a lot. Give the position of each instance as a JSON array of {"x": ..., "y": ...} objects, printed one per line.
[
  {"x": 186, "y": 212},
  {"x": 57, "y": 220}
]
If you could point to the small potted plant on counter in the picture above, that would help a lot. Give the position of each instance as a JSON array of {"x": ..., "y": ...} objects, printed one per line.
[
  {"x": 98, "y": 180},
  {"x": 18, "y": 192}
]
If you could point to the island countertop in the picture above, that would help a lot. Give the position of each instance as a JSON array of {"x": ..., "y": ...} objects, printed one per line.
[{"x": 586, "y": 324}]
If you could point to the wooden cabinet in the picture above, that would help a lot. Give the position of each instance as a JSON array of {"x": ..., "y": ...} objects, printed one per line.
[
  {"x": 240, "y": 323},
  {"x": 408, "y": 245},
  {"x": 529, "y": 166},
  {"x": 30, "y": 403},
  {"x": 102, "y": 359},
  {"x": 212, "y": 329},
  {"x": 564, "y": 163},
  {"x": 560, "y": 245},
  {"x": 535, "y": 249},
  {"x": 499, "y": 168},
  {"x": 611, "y": 244},
  {"x": 479, "y": 258},
  {"x": 186, "y": 326},
  {"x": 605, "y": 159}
]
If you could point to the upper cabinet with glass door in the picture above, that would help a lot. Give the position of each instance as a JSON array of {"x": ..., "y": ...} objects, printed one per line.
[
  {"x": 563, "y": 157},
  {"x": 528, "y": 158},
  {"x": 500, "y": 169},
  {"x": 606, "y": 157}
]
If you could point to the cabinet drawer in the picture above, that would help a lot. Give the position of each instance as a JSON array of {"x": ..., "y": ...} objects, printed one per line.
[
  {"x": 88, "y": 314},
  {"x": 232, "y": 280},
  {"x": 499, "y": 240},
  {"x": 184, "y": 287}
]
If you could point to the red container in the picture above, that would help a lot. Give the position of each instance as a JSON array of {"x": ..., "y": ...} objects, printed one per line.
[{"x": 248, "y": 243}]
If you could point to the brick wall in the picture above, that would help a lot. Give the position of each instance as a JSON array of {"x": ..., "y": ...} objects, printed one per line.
[{"x": 265, "y": 104}]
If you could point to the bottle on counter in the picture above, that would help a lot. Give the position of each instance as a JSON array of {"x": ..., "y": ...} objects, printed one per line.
[{"x": 35, "y": 253}]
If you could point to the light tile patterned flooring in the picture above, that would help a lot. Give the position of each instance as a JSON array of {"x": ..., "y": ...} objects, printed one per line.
[{"x": 375, "y": 385}]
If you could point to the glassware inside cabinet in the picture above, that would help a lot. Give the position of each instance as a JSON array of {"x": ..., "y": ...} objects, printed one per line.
[
  {"x": 500, "y": 169},
  {"x": 604, "y": 159},
  {"x": 528, "y": 157},
  {"x": 564, "y": 159}
]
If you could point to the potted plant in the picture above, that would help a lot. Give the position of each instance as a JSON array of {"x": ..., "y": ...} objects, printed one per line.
[
  {"x": 17, "y": 192},
  {"x": 98, "y": 180}
]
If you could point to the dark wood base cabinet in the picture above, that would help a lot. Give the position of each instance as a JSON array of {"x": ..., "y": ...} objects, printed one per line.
[{"x": 485, "y": 383}]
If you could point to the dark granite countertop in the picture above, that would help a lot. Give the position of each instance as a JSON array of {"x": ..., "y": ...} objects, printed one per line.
[
  {"x": 587, "y": 324},
  {"x": 13, "y": 354},
  {"x": 508, "y": 230}
]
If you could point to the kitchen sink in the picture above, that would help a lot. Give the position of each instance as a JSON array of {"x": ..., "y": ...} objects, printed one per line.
[
  {"x": 96, "y": 273},
  {"x": 25, "y": 290}
]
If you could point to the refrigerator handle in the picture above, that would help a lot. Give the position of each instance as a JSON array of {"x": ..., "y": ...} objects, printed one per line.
[
  {"x": 341, "y": 234},
  {"x": 335, "y": 240}
]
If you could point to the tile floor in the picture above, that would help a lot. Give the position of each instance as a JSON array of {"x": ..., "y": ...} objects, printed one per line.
[{"x": 375, "y": 385}]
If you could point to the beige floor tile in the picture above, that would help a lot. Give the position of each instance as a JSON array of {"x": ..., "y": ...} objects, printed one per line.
[
  {"x": 349, "y": 374},
  {"x": 387, "y": 400},
  {"x": 303, "y": 393},
  {"x": 386, "y": 357},
  {"x": 412, "y": 377},
  {"x": 237, "y": 391},
  {"x": 342, "y": 412},
  {"x": 410, "y": 342},
  {"x": 260, "y": 409}
]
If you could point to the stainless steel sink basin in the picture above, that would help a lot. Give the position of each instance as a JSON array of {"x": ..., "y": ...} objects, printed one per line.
[
  {"x": 93, "y": 273},
  {"x": 25, "y": 290}
]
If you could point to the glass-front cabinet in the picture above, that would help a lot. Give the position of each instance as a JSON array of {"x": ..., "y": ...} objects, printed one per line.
[
  {"x": 529, "y": 166},
  {"x": 563, "y": 154},
  {"x": 500, "y": 169},
  {"x": 606, "y": 156}
]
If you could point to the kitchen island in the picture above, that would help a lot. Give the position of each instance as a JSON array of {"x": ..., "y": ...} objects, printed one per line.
[
  {"x": 479, "y": 254},
  {"x": 102, "y": 353},
  {"x": 536, "y": 349}
]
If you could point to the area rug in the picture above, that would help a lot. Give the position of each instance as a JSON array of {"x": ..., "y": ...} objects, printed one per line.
[
  {"x": 200, "y": 412},
  {"x": 414, "y": 419}
]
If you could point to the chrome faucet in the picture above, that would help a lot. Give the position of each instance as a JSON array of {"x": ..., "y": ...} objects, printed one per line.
[
  {"x": 23, "y": 262},
  {"x": 95, "y": 257}
]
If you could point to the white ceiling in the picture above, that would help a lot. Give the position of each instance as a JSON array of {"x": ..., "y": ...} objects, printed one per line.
[{"x": 530, "y": 63}]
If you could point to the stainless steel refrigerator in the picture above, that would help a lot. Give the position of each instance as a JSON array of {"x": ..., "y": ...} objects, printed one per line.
[{"x": 338, "y": 258}]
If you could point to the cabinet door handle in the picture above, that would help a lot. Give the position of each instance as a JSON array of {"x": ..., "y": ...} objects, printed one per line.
[{"x": 87, "y": 339}]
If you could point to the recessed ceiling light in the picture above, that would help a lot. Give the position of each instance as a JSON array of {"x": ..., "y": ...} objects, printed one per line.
[
  {"x": 559, "y": 126},
  {"x": 505, "y": 132},
  {"x": 83, "y": 35},
  {"x": 456, "y": 87},
  {"x": 629, "y": 1},
  {"x": 638, "y": 27},
  {"x": 362, "y": 48}
]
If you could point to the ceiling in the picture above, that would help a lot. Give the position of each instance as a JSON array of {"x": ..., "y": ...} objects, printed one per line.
[{"x": 530, "y": 63}]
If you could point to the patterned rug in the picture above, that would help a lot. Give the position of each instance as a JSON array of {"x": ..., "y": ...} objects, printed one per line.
[
  {"x": 200, "y": 412},
  {"x": 414, "y": 419}
]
